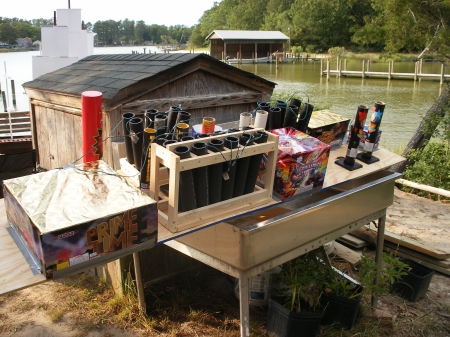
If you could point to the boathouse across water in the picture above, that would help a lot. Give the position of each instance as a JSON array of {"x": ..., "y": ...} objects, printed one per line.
[{"x": 245, "y": 44}]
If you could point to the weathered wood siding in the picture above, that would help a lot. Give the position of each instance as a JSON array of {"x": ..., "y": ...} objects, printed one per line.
[{"x": 58, "y": 131}]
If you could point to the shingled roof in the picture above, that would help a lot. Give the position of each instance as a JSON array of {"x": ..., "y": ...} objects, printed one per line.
[{"x": 110, "y": 73}]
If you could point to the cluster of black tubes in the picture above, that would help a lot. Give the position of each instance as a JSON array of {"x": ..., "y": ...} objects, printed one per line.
[
  {"x": 204, "y": 185},
  {"x": 287, "y": 114}
]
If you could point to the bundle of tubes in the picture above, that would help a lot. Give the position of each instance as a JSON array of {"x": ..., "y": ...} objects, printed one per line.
[{"x": 284, "y": 114}]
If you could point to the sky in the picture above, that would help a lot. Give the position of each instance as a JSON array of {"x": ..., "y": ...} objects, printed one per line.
[{"x": 160, "y": 12}]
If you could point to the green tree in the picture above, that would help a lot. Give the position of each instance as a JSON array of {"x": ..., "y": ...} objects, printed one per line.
[
  {"x": 127, "y": 30},
  {"x": 8, "y": 33},
  {"x": 140, "y": 31}
]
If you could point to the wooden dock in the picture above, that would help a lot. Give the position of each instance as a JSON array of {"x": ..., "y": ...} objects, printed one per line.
[{"x": 390, "y": 74}]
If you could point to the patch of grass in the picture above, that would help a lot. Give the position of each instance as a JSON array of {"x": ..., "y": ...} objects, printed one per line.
[{"x": 56, "y": 314}]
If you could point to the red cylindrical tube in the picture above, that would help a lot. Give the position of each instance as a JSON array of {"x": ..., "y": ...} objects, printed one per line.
[{"x": 91, "y": 125}]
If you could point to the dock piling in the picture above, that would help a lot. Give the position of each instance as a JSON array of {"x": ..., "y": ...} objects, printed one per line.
[
  {"x": 328, "y": 69},
  {"x": 363, "y": 74},
  {"x": 442, "y": 73}
]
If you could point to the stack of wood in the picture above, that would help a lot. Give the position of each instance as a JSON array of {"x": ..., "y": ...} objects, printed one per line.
[{"x": 401, "y": 246}]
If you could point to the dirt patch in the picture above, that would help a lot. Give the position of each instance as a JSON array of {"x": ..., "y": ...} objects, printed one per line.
[{"x": 204, "y": 304}]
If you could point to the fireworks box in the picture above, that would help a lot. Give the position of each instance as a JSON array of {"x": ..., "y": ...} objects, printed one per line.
[
  {"x": 301, "y": 163},
  {"x": 66, "y": 220},
  {"x": 328, "y": 127}
]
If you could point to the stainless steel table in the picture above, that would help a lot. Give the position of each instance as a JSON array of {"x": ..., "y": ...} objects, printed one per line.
[{"x": 255, "y": 243}]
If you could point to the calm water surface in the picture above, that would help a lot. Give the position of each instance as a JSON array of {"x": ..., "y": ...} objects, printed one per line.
[{"x": 406, "y": 100}]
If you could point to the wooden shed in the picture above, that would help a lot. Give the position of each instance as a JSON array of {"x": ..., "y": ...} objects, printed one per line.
[
  {"x": 245, "y": 44},
  {"x": 203, "y": 86}
]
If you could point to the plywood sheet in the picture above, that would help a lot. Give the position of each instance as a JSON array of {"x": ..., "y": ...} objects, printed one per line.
[{"x": 15, "y": 273}]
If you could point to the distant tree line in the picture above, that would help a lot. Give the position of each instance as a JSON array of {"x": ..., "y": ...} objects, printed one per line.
[
  {"x": 12, "y": 29},
  {"x": 130, "y": 32},
  {"x": 317, "y": 25}
]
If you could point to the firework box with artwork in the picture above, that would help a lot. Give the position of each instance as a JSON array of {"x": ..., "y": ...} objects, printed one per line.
[
  {"x": 301, "y": 163},
  {"x": 73, "y": 218},
  {"x": 328, "y": 127}
]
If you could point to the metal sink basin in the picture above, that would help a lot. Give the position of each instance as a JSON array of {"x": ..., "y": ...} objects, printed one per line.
[{"x": 254, "y": 239}]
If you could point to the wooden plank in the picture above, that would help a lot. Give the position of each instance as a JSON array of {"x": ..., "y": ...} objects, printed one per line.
[
  {"x": 118, "y": 151},
  {"x": 349, "y": 255},
  {"x": 370, "y": 235},
  {"x": 55, "y": 97},
  {"x": 336, "y": 174},
  {"x": 426, "y": 188},
  {"x": 443, "y": 270},
  {"x": 69, "y": 110},
  {"x": 353, "y": 241},
  {"x": 196, "y": 102},
  {"x": 15, "y": 273}
]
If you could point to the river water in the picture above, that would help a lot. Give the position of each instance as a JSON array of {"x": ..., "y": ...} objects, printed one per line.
[{"x": 406, "y": 100}]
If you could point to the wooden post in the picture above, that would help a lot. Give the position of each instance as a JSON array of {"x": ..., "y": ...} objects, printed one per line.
[
  {"x": 139, "y": 283},
  {"x": 240, "y": 53},
  {"x": 321, "y": 67},
  {"x": 328, "y": 69},
  {"x": 363, "y": 69},
  {"x": 345, "y": 64},
  {"x": 368, "y": 65},
  {"x": 420, "y": 66},
  {"x": 390, "y": 70},
  {"x": 223, "y": 58},
  {"x": 256, "y": 51},
  {"x": 442, "y": 73},
  {"x": 253, "y": 57},
  {"x": 238, "y": 57},
  {"x": 416, "y": 65},
  {"x": 225, "y": 50},
  {"x": 340, "y": 68},
  {"x": 276, "y": 60}
]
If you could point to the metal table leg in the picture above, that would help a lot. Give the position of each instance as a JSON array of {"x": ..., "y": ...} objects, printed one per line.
[
  {"x": 379, "y": 253},
  {"x": 244, "y": 304}
]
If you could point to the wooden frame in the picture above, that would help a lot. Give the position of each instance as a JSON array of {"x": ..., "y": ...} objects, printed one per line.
[{"x": 168, "y": 214}]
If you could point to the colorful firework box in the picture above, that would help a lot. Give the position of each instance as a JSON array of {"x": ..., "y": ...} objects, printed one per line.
[
  {"x": 328, "y": 127},
  {"x": 66, "y": 220},
  {"x": 301, "y": 163}
]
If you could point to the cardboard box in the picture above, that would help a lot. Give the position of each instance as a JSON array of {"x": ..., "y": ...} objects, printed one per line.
[
  {"x": 301, "y": 163},
  {"x": 73, "y": 218},
  {"x": 328, "y": 127}
]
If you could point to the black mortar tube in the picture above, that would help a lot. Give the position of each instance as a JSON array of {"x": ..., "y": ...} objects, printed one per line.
[
  {"x": 304, "y": 117},
  {"x": 215, "y": 173},
  {"x": 275, "y": 118},
  {"x": 126, "y": 117},
  {"x": 172, "y": 119},
  {"x": 283, "y": 106},
  {"x": 150, "y": 117},
  {"x": 137, "y": 127},
  {"x": 255, "y": 162},
  {"x": 229, "y": 167},
  {"x": 200, "y": 176},
  {"x": 242, "y": 165},
  {"x": 291, "y": 116},
  {"x": 186, "y": 192}
]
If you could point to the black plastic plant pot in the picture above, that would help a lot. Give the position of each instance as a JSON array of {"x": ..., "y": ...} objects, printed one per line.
[
  {"x": 229, "y": 168},
  {"x": 414, "y": 286},
  {"x": 340, "y": 309},
  {"x": 255, "y": 162},
  {"x": 275, "y": 121},
  {"x": 281, "y": 322},
  {"x": 200, "y": 176},
  {"x": 186, "y": 196},
  {"x": 136, "y": 134},
  {"x": 150, "y": 117},
  {"x": 215, "y": 173},
  {"x": 304, "y": 117},
  {"x": 291, "y": 116},
  {"x": 126, "y": 117},
  {"x": 242, "y": 165}
]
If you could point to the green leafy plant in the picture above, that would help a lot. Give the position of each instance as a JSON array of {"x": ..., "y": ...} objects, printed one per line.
[
  {"x": 300, "y": 283},
  {"x": 391, "y": 271}
]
